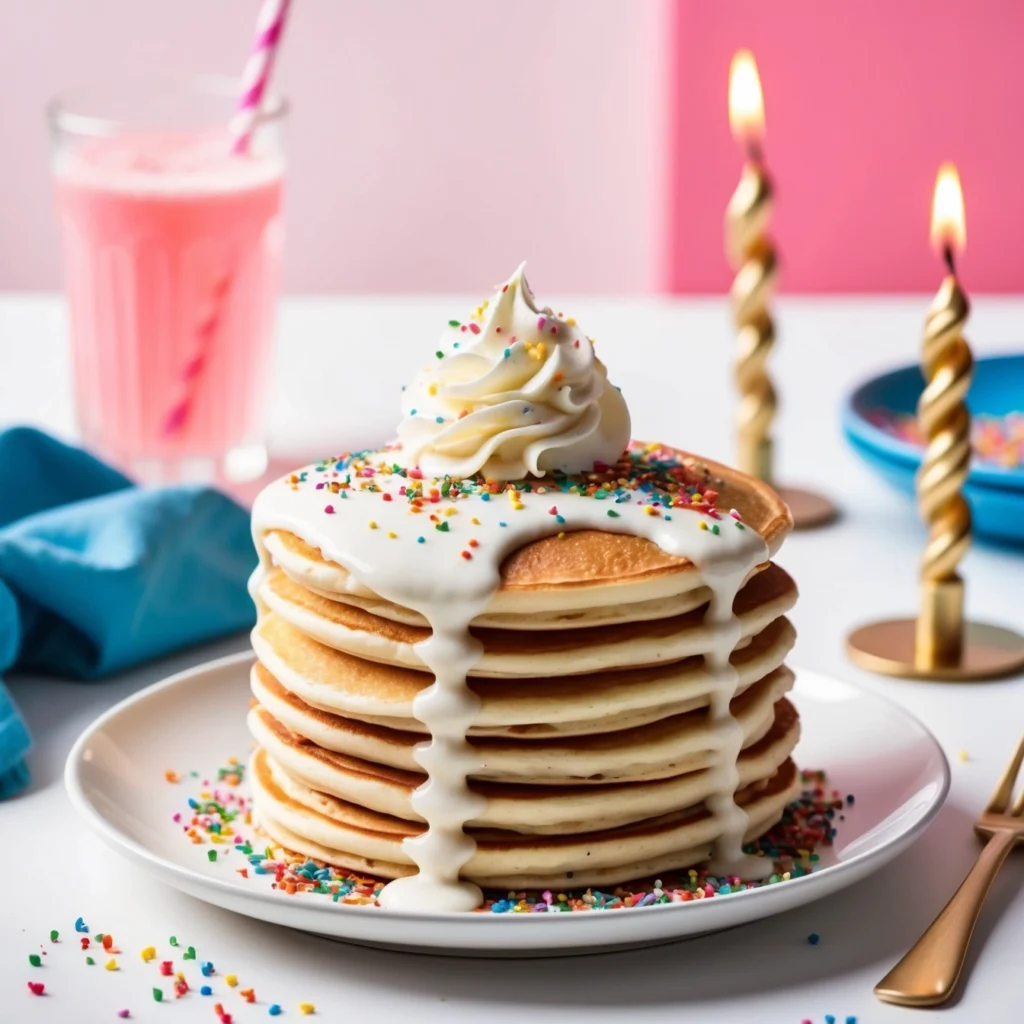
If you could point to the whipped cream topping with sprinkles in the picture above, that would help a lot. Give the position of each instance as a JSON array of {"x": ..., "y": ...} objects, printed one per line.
[{"x": 514, "y": 391}]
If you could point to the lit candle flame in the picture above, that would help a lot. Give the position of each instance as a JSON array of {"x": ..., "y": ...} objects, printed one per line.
[
  {"x": 949, "y": 226},
  {"x": 746, "y": 103}
]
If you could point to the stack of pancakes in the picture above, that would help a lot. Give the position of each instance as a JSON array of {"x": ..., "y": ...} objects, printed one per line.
[{"x": 594, "y": 740}]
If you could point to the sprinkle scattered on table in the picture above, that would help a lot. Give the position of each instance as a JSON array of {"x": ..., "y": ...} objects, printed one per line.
[{"x": 150, "y": 955}]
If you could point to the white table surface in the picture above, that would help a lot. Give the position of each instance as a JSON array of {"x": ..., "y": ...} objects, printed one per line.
[{"x": 336, "y": 387}]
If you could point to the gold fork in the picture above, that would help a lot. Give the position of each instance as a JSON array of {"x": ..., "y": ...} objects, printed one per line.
[{"x": 927, "y": 975}]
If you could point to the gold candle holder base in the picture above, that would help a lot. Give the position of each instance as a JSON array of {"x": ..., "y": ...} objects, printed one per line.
[
  {"x": 810, "y": 510},
  {"x": 890, "y": 648}
]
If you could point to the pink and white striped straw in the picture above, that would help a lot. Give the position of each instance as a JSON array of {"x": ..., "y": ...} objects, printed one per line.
[{"x": 269, "y": 29}]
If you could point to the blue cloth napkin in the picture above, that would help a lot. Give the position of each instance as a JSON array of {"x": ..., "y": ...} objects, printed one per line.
[{"x": 97, "y": 574}]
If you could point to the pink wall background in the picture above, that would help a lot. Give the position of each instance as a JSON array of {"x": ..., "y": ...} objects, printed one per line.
[
  {"x": 864, "y": 100},
  {"x": 434, "y": 143}
]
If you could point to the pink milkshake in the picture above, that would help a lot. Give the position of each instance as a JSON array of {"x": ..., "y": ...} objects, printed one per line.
[{"x": 172, "y": 248}]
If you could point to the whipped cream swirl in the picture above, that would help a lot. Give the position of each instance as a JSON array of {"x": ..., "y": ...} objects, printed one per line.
[{"x": 515, "y": 391}]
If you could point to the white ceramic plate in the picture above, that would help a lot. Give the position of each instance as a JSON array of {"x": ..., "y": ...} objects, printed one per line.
[{"x": 869, "y": 747}]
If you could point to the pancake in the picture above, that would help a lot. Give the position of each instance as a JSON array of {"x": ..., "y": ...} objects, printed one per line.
[
  {"x": 313, "y": 824},
  {"x": 636, "y": 611},
  {"x": 379, "y": 694},
  {"x": 520, "y": 808},
  {"x": 670, "y": 746},
  {"x": 583, "y": 570},
  {"x": 513, "y": 653},
  {"x": 574, "y": 678}
]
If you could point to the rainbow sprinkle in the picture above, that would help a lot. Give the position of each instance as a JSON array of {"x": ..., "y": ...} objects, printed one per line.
[
  {"x": 806, "y": 826},
  {"x": 997, "y": 440},
  {"x": 157, "y": 989},
  {"x": 651, "y": 476}
]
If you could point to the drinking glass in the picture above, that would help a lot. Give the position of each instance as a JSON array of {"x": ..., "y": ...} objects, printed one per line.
[{"x": 172, "y": 247}]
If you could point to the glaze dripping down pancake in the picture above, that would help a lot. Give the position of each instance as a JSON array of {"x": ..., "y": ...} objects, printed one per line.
[
  {"x": 515, "y": 806},
  {"x": 514, "y": 653},
  {"x": 316, "y": 825},
  {"x": 381, "y": 694},
  {"x": 616, "y": 665}
]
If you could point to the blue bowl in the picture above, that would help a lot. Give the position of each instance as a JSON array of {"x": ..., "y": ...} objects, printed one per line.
[{"x": 995, "y": 493}]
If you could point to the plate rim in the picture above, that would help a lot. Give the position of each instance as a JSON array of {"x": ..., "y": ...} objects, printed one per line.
[{"x": 121, "y": 842}]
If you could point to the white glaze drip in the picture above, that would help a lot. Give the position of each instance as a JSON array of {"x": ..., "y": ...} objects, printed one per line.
[
  {"x": 728, "y": 857},
  {"x": 433, "y": 579},
  {"x": 444, "y": 801}
]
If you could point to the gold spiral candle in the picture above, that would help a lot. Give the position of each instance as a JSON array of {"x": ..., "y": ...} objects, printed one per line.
[
  {"x": 752, "y": 255},
  {"x": 946, "y": 423},
  {"x": 938, "y": 643}
]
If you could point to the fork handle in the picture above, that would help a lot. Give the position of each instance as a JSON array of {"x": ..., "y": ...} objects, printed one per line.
[{"x": 927, "y": 975}]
